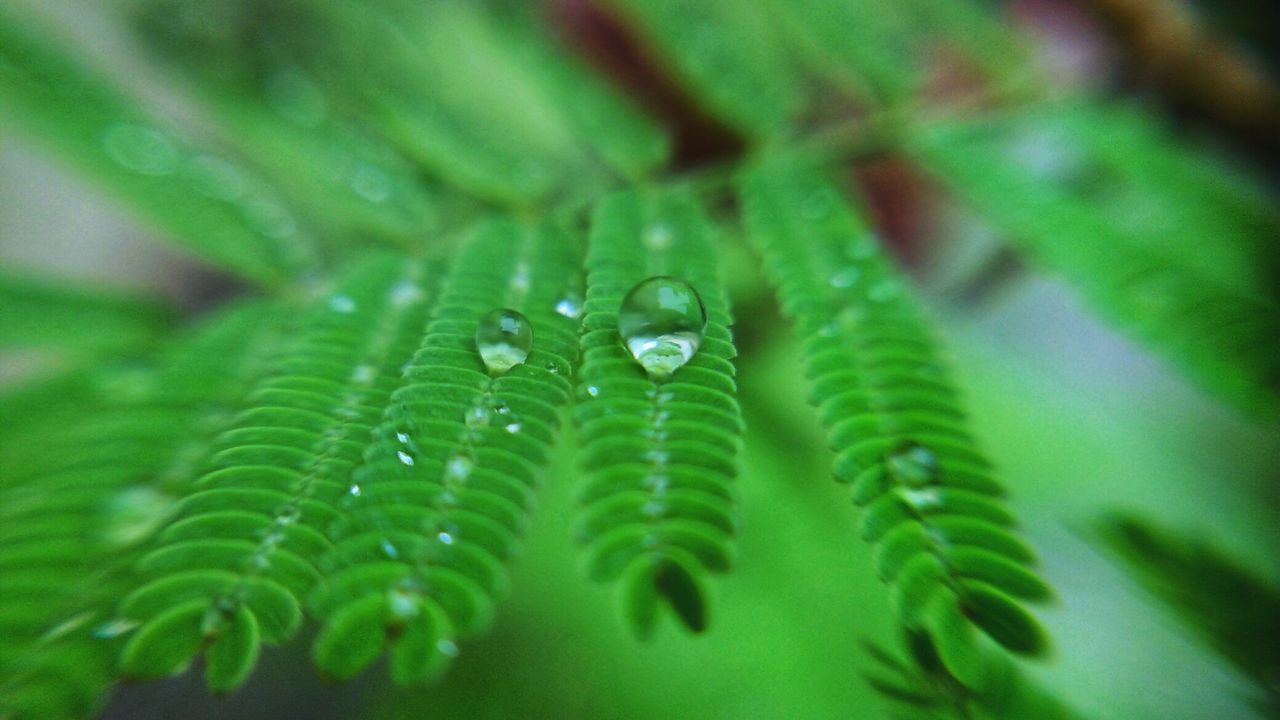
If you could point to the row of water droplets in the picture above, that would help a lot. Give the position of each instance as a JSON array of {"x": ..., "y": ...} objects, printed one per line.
[
  {"x": 360, "y": 383},
  {"x": 861, "y": 288}
]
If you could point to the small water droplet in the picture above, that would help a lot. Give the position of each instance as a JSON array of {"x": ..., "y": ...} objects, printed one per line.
[
  {"x": 458, "y": 468},
  {"x": 477, "y": 417},
  {"x": 405, "y": 293},
  {"x": 389, "y": 549},
  {"x": 653, "y": 509},
  {"x": 845, "y": 277},
  {"x": 657, "y": 483},
  {"x": 447, "y": 648},
  {"x": 288, "y": 514},
  {"x": 342, "y": 304},
  {"x": 403, "y": 437},
  {"x": 513, "y": 428},
  {"x": 115, "y": 628},
  {"x": 520, "y": 278},
  {"x": 593, "y": 391},
  {"x": 404, "y": 457},
  {"x": 553, "y": 368},
  {"x": 445, "y": 538},
  {"x": 354, "y": 490},
  {"x": 925, "y": 499},
  {"x": 503, "y": 338},
  {"x": 662, "y": 321},
  {"x": 569, "y": 307},
  {"x": 402, "y": 603},
  {"x": 913, "y": 465},
  {"x": 141, "y": 149},
  {"x": 502, "y": 409}
]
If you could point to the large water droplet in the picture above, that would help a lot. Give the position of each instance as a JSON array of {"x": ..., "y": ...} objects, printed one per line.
[
  {"x": 913, "y": 465},
  {"x": 504, "y": 338},
  {"x": 662, "y": 321}
]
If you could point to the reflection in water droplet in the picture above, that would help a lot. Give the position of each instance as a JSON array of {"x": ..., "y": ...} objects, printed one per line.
[
  {"x": 141, "y": 149},
  {"x": 342, "y": 304},
  {"x": 593, "y": 391},
  {"x": 404, "y": 457},
  {"x": 662, "y": 321},
  {"x": 403, "y": 437},
  {"x": 513, "y": 428},
  {"x": 503, "y": 338},
  {"x": 354, "y": 490},
  {"x": 445, "y": 538},
  {"x": 913, "y": 465},
  {"x": 569, "y": 307}
]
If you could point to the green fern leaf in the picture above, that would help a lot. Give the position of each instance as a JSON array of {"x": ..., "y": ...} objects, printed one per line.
[
  {"x": 659, "y": 456},
  {"x": 442, "y": 496},
  {"x": 1080, "y": 188},
  {"x": 164, "y": 177},
  {"x": 69, "y": 528},
  {"x": 283, "y": 467},
  {"x": 893, "y": 418}
]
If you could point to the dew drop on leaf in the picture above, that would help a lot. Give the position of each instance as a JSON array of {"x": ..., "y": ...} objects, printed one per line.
[
  {"x": 477, "y": 417},
  {"x": 569, "y": 307},
  {"x": 662, "y": 321},
  {"x": 913, "y": 465},
  {"x": 503, "y": 338}
]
